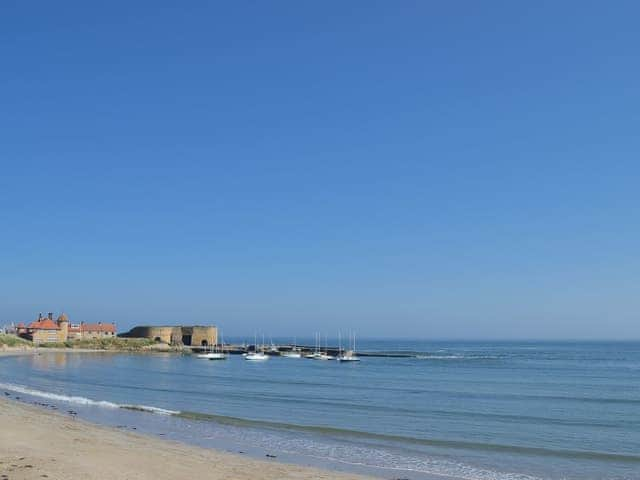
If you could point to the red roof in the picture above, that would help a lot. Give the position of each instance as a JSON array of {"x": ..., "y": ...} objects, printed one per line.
[
  {"x": 44, "y": 324},
  {"x": 98, "y": 327}
]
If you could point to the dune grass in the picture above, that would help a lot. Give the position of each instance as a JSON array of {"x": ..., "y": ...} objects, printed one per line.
[
  {"x": 111, "y": 343},
  {"x": 13, "y": 341}
]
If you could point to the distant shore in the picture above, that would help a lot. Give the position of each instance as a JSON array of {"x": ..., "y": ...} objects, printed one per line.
[
  {"x": 8, "y": 351},
  {"x": 12, "y": 344},
  {"x": 37, "y": 444}
]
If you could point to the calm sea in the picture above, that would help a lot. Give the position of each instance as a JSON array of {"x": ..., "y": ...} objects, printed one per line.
[{"x": 504, "y": 410}]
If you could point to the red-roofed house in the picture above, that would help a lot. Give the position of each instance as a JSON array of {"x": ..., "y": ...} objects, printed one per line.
[
  {"x": 97, "y": 330},
  {"x": 43, "y": 330},
  {"x": 47, "y": 330}
]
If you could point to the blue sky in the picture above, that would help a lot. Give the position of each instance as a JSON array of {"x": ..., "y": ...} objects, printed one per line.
[{"x": 432, "y": 169}]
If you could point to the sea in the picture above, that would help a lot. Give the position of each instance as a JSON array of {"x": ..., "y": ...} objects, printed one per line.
[{"x": 446, "y": 410}]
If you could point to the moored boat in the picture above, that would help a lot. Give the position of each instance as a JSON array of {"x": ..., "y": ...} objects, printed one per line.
[
  {"x": 348, "y": 355},
  {"x": 291, "y": 354},
  {"x": 256, "y": 356}
]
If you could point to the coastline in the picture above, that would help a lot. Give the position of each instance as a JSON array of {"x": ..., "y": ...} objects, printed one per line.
[
  {"x": 37, "y": 444},
  {"x": 34, "y": 350}
]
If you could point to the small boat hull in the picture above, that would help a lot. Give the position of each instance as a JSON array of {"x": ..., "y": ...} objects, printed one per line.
[
  {"x": 324, "y": 356},
  {"x": 348, "y": 359},
  {"x": 256, "y": 357},
  {"x": 291, "y": 354},
  {"x": 212, "y": 356}
]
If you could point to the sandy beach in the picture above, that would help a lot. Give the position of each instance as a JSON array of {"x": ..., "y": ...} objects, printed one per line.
[{"x": 37, "y": 444}]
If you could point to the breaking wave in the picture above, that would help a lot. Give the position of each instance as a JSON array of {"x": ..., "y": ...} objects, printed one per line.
[{"x": 83, "y": 400}]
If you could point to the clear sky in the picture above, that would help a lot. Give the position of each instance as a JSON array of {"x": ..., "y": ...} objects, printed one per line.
[{"x": 445, "y": 169}]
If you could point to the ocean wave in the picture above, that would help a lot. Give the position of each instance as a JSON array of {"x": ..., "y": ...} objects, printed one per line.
[
  {"x": 434, "y": 442},
  {"x": 83, "y": 400},
  {"x": 426, "y": 356}
]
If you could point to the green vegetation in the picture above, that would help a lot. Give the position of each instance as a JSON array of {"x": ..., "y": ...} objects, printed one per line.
[
  {"x": 13, "y": 341},
  {"x": 113, "y": 343}
]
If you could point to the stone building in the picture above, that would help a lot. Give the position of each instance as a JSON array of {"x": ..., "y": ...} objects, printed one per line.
[
  {"x": 45, "y": 330},
  {"x": 196, "y": 335}
]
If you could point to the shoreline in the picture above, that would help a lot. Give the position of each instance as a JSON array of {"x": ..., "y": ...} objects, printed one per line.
[
  {"x": 37, "y": 443},
  {"x": 34, "y": 350}
]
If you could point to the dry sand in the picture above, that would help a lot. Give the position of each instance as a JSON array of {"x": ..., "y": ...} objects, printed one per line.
[{"x": 37, "y": 444}]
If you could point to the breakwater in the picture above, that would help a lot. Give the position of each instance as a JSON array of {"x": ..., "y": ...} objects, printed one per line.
[{"x": 239, "y": 349}]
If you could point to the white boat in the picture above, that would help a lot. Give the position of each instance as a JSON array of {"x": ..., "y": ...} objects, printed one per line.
[
  {"x": 295, "y": 352},
  {"x": 256, "y": 356},
  {"x": 324, "y": 356},
  {"x": 212, "y": 356},
  {"x": 273, "y": 350},
  {"x": 348, "y": 355},
  {"x": 316, "y": 348},
  {"x": 215, "y": 354},
  {"x": 319, "y": 355},
  {"x": 218, "y": 356},
  {"x": 291, "y": 354}
]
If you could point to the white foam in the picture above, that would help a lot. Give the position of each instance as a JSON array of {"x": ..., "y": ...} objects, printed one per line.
[
  {"x": 440, "y": 357},
  {"x": 147, "y": 408},
  {"x": 456, "y": 357},
  {"x": 82, "y": 400},
  {"x": 378, "y": 459}
]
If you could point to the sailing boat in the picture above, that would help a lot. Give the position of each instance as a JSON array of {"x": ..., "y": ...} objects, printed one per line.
[
  {"x": 214, "y": 354},
  {"x": 293, "y": 353},
  {"x": 218, "y": 354},
  {"x": 324, "y": 355},
  {"x": 315, "y": 352},
  {"x": 210, "y": 354},
  {"x": 350, "y": 354},
  {"x": 256, "y": 356}
]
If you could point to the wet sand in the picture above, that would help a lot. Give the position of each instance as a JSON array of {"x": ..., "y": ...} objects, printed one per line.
[{"x": 39, "y": 444}]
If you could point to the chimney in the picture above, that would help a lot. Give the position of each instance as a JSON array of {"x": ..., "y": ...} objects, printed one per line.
[
  {"x": 40, "y": 316},
  {"x": 50, "y": 315}
]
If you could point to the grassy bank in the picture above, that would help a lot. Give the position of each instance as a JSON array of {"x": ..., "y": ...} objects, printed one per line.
[
  {"x": 13, "y": 341},
  {"x": 108, "y": 344},
  {"x": 121, "y": 344}
]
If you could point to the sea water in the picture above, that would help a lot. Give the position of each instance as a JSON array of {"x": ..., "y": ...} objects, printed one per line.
[{"x": 467, "y": 410}]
